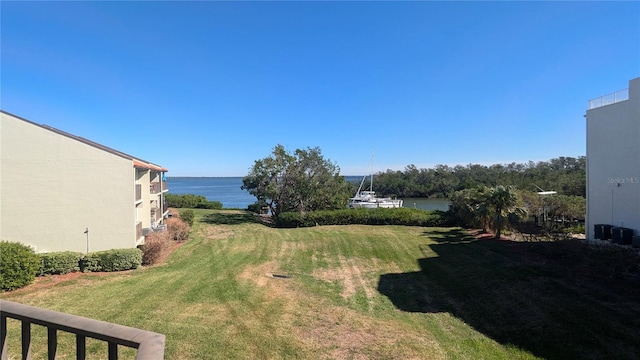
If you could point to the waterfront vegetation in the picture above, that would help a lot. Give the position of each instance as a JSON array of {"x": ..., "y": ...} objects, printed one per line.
[
  {"x": 238, "y": 289},
  {"x": 566, "y": 175},
  {"x": 191, "y": 201},
  {"x": 363, "y": 216}
]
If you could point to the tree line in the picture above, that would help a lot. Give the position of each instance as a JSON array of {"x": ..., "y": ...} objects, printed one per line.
[
  {"x": 566, "y": 175},
  {"x": 492, "y": 197}
]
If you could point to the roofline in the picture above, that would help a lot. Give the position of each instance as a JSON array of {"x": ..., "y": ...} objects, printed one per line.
[{"x": 137, "y": 162}]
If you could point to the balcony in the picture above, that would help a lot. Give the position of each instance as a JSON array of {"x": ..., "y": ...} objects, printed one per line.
[
  {"x": 156, "y": 214},
  {"x": 155, "y": 188},
  {"x": 609, "y": 99},
  {"x": 150, "y": 345}
]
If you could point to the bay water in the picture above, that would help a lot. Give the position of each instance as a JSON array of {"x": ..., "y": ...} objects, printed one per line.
[{"x": 227, "y": 190}]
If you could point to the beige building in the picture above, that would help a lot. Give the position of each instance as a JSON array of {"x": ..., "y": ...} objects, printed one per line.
[
  {"x": 613, "y": 163},
  {"x": 61, "y": 192}
]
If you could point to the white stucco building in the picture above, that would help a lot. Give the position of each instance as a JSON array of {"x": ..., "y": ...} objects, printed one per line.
[
  {"x": 613, "y": 160},
  {"x": 61, "y": 192}
]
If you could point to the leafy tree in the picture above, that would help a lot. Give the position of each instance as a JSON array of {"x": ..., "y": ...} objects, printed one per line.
[{"x": 298, "y": 182}]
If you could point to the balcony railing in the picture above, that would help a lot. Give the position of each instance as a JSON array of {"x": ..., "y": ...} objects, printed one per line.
[
  {"x": 164, "y": 186},
  {"x": 150, "y": 345},
  {"x": 155, "y": 188},
  {"x": 156, "y": 214},
  {"x": 609, "y": 99}
]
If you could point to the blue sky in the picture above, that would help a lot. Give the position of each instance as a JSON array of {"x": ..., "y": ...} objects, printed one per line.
[{"x": 205, "y": 88}]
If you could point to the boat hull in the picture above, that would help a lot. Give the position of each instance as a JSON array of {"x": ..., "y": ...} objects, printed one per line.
[{"x": 383, "y": 203}]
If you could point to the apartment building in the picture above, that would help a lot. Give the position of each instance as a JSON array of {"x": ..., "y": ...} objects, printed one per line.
[
  {"x": 613, "y": 165},
  {"x": 61, "y": 192}
]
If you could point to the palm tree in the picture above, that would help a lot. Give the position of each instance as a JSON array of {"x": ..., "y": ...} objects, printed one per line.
[
  {"x": 503, "y": 202},
  {"x": 470, "y": 207}
]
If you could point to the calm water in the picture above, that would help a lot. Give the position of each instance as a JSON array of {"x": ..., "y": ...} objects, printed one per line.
[
  {"x": 227, "y": 191},
  {"x": 224, "y": 189}
]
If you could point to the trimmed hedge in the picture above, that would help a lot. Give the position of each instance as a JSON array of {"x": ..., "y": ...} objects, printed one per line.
[
  {"x": 112, "y": 260},
  {"x": 191, "y": 201},
  {"x": 400, "y": 216},
  {"x": 18, "y": 265},
  {"x": 59, "y": 262}
]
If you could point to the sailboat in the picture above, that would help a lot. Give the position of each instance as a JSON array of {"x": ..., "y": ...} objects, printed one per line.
[{"x": 368, "y": 199}]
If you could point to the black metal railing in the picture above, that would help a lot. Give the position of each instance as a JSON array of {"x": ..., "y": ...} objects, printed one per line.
[{"x": 150, "y": 345}]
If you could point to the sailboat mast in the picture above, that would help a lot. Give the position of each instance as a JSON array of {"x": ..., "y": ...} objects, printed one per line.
[{"x": 373, "y": 150}]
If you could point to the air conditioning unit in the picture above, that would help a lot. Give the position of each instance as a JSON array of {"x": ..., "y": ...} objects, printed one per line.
[{"x": 146, "y": 231}]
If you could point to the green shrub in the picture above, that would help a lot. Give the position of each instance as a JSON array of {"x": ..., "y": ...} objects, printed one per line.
[
  {"x": 257, "y": 207},
  {"x": 293, "y": 220},
  {"x": 120, "y": 259},
  {"x": 90, "y": 262},
  {"x": 191, "y": 201},
  {"x": 401, "y": 216},
  {"x": 112, "y": 260},
  {"x": 187, "y": 216},
  {"x": 18, "y": 265},
  {"x": 59, "y": 262},
  {"x": 575, "y": 229}
]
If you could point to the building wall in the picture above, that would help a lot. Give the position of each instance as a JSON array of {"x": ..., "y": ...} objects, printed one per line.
[
  {"x": 613, "y": 163},
  {"x": 53, "y": 187}
]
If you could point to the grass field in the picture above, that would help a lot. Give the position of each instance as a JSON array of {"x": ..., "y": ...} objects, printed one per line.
[{"x": 240, "y": 290}]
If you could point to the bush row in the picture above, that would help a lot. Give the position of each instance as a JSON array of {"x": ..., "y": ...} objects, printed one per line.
[
  {"x": 401, "y": 216},
  {"x": 59, "y": 262},
  {"x": 19, "y": 264},
  {"x": 108, "y": 260},
  {"x": 191, "y": 201},
  {"x": 112, "y": 260}
]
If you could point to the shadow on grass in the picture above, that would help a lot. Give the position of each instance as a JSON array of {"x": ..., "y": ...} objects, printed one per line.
[
  {"x": 230, "y": 218},
  {"x": 449, "y": 235},
  {"x": 557, "y": 300}
]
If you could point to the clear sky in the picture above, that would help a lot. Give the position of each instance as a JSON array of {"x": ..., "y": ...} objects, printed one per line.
[{"x": 205, "y": 88}]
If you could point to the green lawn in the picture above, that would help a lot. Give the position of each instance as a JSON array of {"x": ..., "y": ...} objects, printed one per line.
[{"x": 353, "y": 292}]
